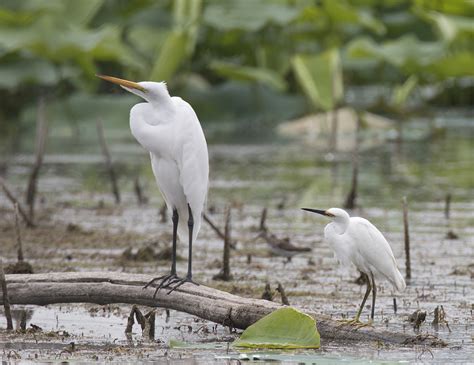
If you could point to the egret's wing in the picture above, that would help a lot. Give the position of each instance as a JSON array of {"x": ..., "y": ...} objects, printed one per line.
[
  {"x": 194, "y": 164},
  {"x": 375, "y": 250}
]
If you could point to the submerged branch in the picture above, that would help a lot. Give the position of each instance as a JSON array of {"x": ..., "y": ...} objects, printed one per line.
[{"x": 202, "y": 301}]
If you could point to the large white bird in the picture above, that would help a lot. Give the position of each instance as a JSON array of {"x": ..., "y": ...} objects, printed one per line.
[
  {"x": 169, "y": 129},
  {"x": 355, "y": 240}
]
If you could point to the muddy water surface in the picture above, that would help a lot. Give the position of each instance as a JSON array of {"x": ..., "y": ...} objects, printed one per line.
[{"x": 81, "y": 229}]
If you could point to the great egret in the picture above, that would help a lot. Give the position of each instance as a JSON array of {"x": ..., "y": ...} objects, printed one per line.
[
  {"x": 356, "y": 240},
  {"x": 169, "y": 129}
]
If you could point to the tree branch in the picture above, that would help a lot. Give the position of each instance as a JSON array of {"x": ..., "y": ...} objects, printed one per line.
[{"x": 202, "y": 301}]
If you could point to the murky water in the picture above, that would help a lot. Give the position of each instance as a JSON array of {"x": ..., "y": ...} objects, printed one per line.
[{"x": 282, "y": 177}]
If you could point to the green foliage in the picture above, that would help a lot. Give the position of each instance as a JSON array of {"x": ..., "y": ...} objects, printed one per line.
[
  {"x": 320, "y": 77},
  {"x": 253, "y": 74},
  {"x": 301, "y": 48},
  {"x": 285, "y": 328},
  {"x": 247, "y": 15},
  {"x": 402, "y": 92}
]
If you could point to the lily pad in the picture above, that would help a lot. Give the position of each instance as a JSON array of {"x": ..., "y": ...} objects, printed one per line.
[{"x": 285, "y": 328}]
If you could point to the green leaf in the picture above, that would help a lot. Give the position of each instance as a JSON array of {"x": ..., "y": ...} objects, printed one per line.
[
  {"x": 451, "y": 27},
  {"x": 285, "y": 328},
  {"x": 171, "y": 56},
  {"x": 344, "y": 13},
  {"x": 404, "y": 52},
  {"x": 459, "y": 64},
  {"x": 320, "y": 77},
  {"x": 247, "y": 15},
  {"x": 246, "y": 73},
  {"x": 402, "y": 92}
]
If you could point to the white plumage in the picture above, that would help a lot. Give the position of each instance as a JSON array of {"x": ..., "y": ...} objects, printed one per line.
[
  {"x": 355, "y": 240},
  {"x": 168, "y": 128},
  {"x": 179, "y": 158}
]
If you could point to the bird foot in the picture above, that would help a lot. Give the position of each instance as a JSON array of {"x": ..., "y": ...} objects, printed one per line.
[
  {"x": 179, "y": 282},
  {"x": 164, "y": 283},
  {"x": 355, "y": 322}
]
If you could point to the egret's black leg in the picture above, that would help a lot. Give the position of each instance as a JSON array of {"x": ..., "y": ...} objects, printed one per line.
[
  {"x": 166, "y": 279},
  {"x": 367, "y": 292},
  {"x": 189, "y": 276},
  {"x": 374, "y": 294}
]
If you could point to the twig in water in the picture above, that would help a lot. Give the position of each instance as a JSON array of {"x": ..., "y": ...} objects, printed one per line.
[
  {"x": 135, "y": 313},
  {"x": 29, "y": 222},
  {"x": 278, "y": 246},
  {"x": 450, "y": 235},
  {"x": 440, "y": 318},
  {"x": 163, "y": 213},
  {"x": 6, "y": 301},
  {"x": 395, "y": 305},
  {"x": 225, "y": 272},
  {"x": 149, "y": 330},
  {"x": 447, "y": 206},
  {"x": 139, "y": 191},
  {"x": 18, "y": 235},
  {"x": 216, "y": 229},
  {"x": 108, "y": 162},
  {"x": 267, "y": 293},
  {"x": 281, "y": 290},
  {"x": 23, "y": 316},
  {"x": 41, "y": 135},
  {"x": 263, "y": 220},
  {"x": 350, "y": 202},
  {"x": 21, "y": 266},
  {"x": 407, "y": 238}
]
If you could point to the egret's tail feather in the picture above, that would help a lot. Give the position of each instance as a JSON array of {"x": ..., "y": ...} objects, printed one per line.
[{"x": 398, "y": 281}]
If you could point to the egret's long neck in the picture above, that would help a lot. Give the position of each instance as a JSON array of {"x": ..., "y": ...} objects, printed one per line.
[{"x": 340, "y": 224}]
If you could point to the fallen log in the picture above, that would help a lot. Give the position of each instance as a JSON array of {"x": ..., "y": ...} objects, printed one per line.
[{"x": 202, "y": 301}]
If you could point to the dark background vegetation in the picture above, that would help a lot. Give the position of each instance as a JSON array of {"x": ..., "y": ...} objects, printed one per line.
[{"x": 239, "y": 63}]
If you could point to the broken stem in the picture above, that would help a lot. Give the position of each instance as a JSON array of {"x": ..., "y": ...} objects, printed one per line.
[
  {"x": 29, "y": 222},
  {"x": 108, "y": 162},
  {"x": 41, "y": 135},
  {"x": 407, "y": 238},
  {"x": 18, "y": 235},
  {"x": 6, "y": 301}
]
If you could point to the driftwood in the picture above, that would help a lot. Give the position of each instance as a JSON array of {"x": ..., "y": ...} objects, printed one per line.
[{"x": 202, "y": 301}]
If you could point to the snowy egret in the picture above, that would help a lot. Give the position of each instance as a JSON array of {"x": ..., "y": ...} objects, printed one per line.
[
  {"x": 169, "y": 129},
  {"x": 356, "y": 240}
]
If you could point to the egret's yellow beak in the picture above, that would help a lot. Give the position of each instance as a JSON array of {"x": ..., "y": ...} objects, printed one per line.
[{"x": 122, "y": 82}]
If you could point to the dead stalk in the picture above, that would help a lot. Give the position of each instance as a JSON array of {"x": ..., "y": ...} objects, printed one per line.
[
  {"x": 29, "y": 222},
  {"x": 108, "y": 162},
  {"x": 407, "y": 238},
  {"x": 352, "y": 196},
  {"x": 216, "y": 229},
  {"x": 263, "y": 220},
  {"x": 6, "y": 301},
  {"x": 141, "y": 199},
  {"x": 163, "y": 213},
  {"x": 18, "y": 235},
  {"x": 41, "y": 135},
  {"x": 225, "y": 272},
  {"x": 447, "y": 206},
  {"x": 284, "y": 298}
]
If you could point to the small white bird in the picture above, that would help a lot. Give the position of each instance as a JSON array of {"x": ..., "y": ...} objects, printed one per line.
[
  {"x": 169, "y": 129},
  {"x": 356, "y": 240}
]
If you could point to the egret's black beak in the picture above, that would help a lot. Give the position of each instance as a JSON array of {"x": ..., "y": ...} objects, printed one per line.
[{"x": 322, "y": 212}]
